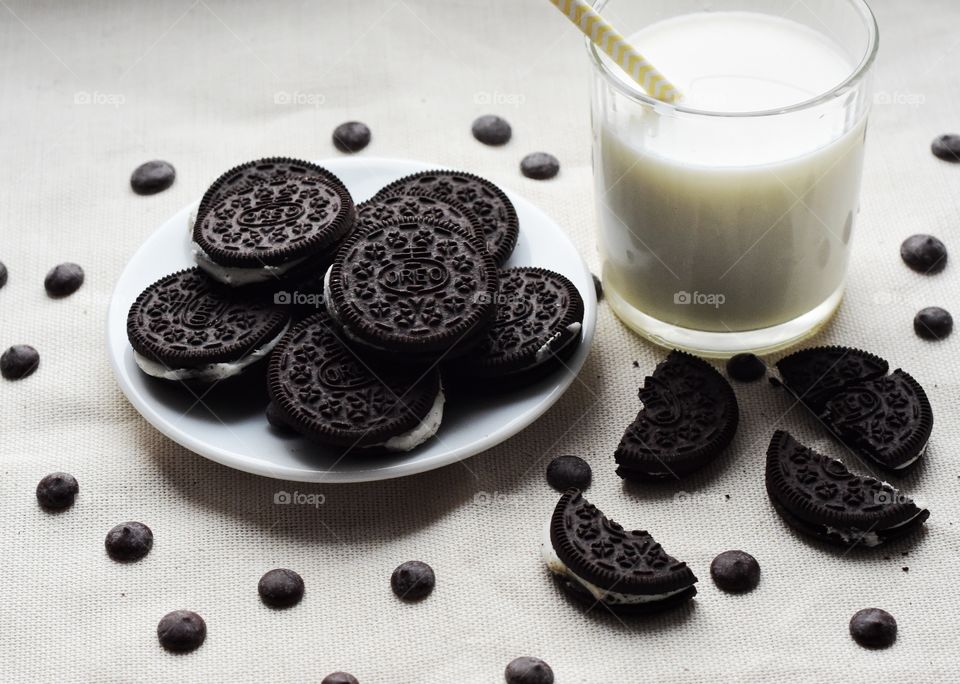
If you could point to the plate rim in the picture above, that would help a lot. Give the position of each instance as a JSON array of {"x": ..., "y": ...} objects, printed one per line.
[{"x": 244, "y": 463}]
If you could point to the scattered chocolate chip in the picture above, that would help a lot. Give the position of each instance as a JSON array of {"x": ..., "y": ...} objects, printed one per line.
[
  {"x": 491, "y": 129},
  {"x": 181, "y": 630},
  {"x": 19, "y": 361},
  {"x": 726, "y": 496},
  {"x": 933, "y": 323},
  {"x": 152, "y": 177},
  {"x": 63, "y": 280},
  {"x": 924, "y": 253},
  {"x": 746, "y": 368},
  {"x": 598, "y": 287},
  {"x": 540, "y": 166},
  {"x": 129, "y": 541},
  {"x": 905, "y": 568},
  {"x": 873, "y": 628},
  {"x": 413, "y": 580},
  {"x": 528, "y": 670},
  {"x": 57, "y": 490},
  {"x": 946, "y": 147},
  {"x": 3, "y": 274},
  {"x": 735, "y": 571},
  {"x": 565, "y": 472},
  {"x": 636, "y": 364},
  {"x": 351, "y": 136},
  {"x": 281, "y": 588},
  {"x": 340, "y": 678}
]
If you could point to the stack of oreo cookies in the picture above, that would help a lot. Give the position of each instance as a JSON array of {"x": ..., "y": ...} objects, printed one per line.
[{"x": 406, "y": 295}]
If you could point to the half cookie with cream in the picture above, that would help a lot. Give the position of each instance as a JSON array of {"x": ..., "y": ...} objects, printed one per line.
[
  {"x": 818, "y": 496},
  {"x": 597, "y": 561},
  {"x": 186, "y": 327},
  {"x": 322, "y": 389},
  {"x": 538, "y": 328},
  {"x": 883, "y": 417}
]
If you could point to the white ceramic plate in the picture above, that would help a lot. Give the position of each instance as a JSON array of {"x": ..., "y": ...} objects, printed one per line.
[{"x": 235, "y": 433}]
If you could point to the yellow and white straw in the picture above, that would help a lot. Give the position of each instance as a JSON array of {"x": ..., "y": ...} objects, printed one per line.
[{"x": 605, "y": 37}]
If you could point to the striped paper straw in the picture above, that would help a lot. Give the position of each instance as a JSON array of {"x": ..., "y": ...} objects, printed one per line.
[{"x": 605, "y": 37}]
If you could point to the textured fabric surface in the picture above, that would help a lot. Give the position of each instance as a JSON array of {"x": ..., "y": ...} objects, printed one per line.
[{"x": 90, "y": 90}]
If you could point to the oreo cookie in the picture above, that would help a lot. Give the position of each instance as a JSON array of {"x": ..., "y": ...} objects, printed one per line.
[
  {"x": 501, "y": 227},
  {"x": 690, "y": 415},
  {"x": 416, "y": 290},
  {"x": 887, "y": 420},
  {"x": 814, "y": 375},
  {"x": 322, "y": 389},
  {"x": 818, "y": 496},
  {"x": 185, "y": 327},
  {"x": 884, "y": 418},
  {"x": 538, "y": 327},
  {"x": 417, "y": 205},
  {"x": 597, "y": 561},
  {"x": 257, "y": 171},
  {"x": 273, "y": 231}
]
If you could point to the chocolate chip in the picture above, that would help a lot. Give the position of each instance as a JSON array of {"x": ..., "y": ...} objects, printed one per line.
[
  {"x": 351, "y": 136},
  {"x": 19, "y": 361},
  {"x": 528, "y": 670},
  {"x": 933, "y": 323},
  {"x": 281, "y": 588},
  {"x": 3, "y": 274},
  {"x": 540, "y": 166},
  {"x": 181, "y": 630},
  {"x": 491, "y": 129},
  {"x": 735, "y": 571},
  {"x": 152, "y": 177},
  {"x": 340, "y": 678},
  {"x": 746, "y": 368},
  {"x": 129, "y": 541},
  {"x": 63, "y": 280},
  {"x": 946, "y": 147},
  {"x": 597, "y": 287},
  {"x": 873, "y": 628},
  {"x": 565, "y": 472},
  {"x": 57, "y": 490},
  {"x": 924, "y": 253},
  {"x": 413, "y": 580}
]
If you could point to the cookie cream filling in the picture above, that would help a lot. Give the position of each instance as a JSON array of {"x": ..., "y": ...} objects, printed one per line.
[
  {"x": 332, "y": 310},
  {"x": 546, "y": 351},
  {"x": 850, "y": 535},
  {"x": 425, "y": 430},
  {"x": 212, "y": 372},
  {"x": 237, "y": 276},
  {"x": 915, "y": 458},
  {"x": 558, "y": 567}
]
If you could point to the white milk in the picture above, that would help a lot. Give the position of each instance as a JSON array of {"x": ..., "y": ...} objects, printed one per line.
[{"x": 730, "y": 225}]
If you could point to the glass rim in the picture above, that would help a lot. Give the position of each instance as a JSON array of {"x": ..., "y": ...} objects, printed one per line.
[{"x": 634, "y": 92}]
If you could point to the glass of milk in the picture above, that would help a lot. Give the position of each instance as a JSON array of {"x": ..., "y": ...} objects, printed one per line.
[{"x": 725, "y": 221}]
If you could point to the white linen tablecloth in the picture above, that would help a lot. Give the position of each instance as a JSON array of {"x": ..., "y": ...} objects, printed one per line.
[{"x": 90, "y": 90}]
